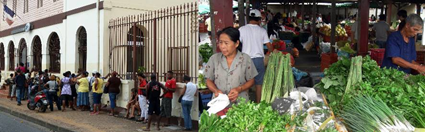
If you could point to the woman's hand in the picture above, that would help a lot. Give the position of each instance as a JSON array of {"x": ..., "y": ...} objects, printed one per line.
[
  {"x": 233, "y": 94},
  {"x": 217, "y": 92}
]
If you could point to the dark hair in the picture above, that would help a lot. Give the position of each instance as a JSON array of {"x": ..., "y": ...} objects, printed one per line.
[
  {"x": 254, "y": 18},
  {"x": 40, "y": 72},
  {"x": 382, "y": 17},
  {"x": 153, "y": 77},
  {"x": 21, "y": 64},
  {"x": 141, "y": 75},
  {"x": 11, "y": 75},
  {"x": 98, "y": 74},
  {"x": 171, "y": 72},
  {"x": 72, "y": 75},
  {"x": 18, "y": 71},
  {"x": 402, "y": 13},
  {"x": 232, "y": 32},
  {"x": 186, "y": 78}
]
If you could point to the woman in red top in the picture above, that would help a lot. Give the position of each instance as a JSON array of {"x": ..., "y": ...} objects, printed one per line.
[{"x": 142, "y": 98}]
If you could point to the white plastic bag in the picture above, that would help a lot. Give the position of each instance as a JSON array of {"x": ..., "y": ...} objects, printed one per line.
[{"x": 217, "y": 104}]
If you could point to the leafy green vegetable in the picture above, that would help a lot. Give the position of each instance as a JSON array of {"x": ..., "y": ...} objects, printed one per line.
[
  {"x": 202, "y": 84},
  {"x": 247, "y": 117},
  {"x": 206, "y": 51}
]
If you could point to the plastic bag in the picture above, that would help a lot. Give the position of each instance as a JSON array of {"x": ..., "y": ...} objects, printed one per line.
[{"x": 217, "y": 104}]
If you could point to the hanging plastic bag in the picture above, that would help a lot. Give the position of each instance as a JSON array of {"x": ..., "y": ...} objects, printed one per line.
[{"x": 217, "y": 104}]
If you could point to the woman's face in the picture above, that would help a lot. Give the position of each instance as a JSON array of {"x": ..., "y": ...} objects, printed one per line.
[
  {"x": 226, "y": 45},
  {"x": 413, "y": 30}
]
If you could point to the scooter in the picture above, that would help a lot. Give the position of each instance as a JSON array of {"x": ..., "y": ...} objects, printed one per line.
[{"x": 37, "y": 100}]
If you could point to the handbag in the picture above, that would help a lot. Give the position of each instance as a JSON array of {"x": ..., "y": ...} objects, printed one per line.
[
  {"x": 180, "y": 98},
  {"x": 105, "y": 89}
]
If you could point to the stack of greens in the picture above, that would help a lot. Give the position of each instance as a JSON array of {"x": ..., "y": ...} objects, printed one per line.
[
  {"x": 366, "y": 114},
  {"x": 404, "y": 95},
  {"x": 206, "y": 51},
  {"x": 278, "y": 79},
  {"x": 246, "y": 117},
  {"x": 202, "y": 82}
]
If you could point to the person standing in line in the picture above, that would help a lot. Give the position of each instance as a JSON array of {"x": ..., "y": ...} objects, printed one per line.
[
  {"x": 83, "y": 92},
  {"x": 153, "y": 94},
  {"x": 91, "y": 81},
  {"x": 142, "y": 97},
  {"x": 20, "y": 82},
  {"x": 189, "y": 93},
  {"x": 253, "y": 37},
  {"x": 74, "y": 90},
  {"x": 66, "y": 92},
  {"x": 53, "y": 87},
  {"x": 166, "y": 105},
  {"x": 382, "y": 30},
  {"x": 113, "y": 86},
  {"x": 12, "y": 88},
  {"x": 97, "y": 93}
]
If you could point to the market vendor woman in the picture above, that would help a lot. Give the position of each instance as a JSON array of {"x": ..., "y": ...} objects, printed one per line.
[
  {"x": 400, "y": 52},
  {"x": 230, "y": 72}
]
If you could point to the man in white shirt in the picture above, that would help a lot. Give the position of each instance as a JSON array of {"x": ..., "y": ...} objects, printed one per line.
[
  {"x": 208, "y": 23},
  {"x": 382, "y": 30},
  {"x": 253, "y": 37}
]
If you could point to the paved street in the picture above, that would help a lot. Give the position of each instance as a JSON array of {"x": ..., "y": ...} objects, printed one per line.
[
  {"x": 10, "y": 123},
  {"x": 78, "y": 121}
]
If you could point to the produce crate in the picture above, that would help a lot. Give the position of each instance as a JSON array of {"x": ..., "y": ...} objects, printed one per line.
[
  {"x": 377, "y": 55},
  {"x": 286, "y": 35},
  {"x": 327, "y": 60},
  {"x": 420, "y": 56}
]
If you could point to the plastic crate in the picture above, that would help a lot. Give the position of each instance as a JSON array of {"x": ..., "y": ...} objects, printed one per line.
[
  {"x": 286, "y": 35},
  {"x": 377, "y": 55},
  {"x": 327, "y": 60},
  {"x": 420, "y": 57}
]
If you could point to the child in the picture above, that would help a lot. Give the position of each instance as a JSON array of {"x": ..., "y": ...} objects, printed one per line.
[
  {"x": 153, "y": 94},
  {"x": 11, "y": 83},
  {"x": 131, "y": 104}
]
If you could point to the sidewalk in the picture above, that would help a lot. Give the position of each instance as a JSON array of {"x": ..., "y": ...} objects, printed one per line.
[{"x": 79, "y": 121}]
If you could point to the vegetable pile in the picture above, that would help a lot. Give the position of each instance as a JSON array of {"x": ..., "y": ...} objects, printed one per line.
[
  {"x": 206, "y": 51},
  {"x": 278, "y": 79},
  {"x": 405, "y": 95},
  {"x": 202, "y": 84},
  {"x": 246, "y": 117},
  {"x": 366, "y": 114}
]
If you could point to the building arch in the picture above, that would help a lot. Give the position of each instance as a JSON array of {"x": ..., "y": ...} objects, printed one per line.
[
  {"x": 36, "y": 53},
  {"x": 54, "y": 64},
  {"x": 11, "y": 50}
]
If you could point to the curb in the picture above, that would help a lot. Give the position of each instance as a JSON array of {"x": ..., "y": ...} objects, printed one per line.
[{"x": 50, "y": 126}]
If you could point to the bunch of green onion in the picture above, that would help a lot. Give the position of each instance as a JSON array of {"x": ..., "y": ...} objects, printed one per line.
[{"x": 366, "y": 114}]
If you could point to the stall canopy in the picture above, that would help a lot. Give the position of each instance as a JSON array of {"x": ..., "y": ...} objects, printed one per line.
[{"x": 205, "y": 9}]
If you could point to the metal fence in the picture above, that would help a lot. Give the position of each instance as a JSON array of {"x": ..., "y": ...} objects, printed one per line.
[{"x": 160, "y": 41}]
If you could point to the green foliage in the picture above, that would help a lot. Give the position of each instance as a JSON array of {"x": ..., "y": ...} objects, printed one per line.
[
  {"x": 247, "y": 117},
  {"x": 405, "y": 95},
  {"x": 141, "y": 69},
  {"x": 206, "y": 51}
]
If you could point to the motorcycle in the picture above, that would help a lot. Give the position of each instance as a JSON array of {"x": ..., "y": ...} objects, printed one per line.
[{"x": 37, "y": 100}]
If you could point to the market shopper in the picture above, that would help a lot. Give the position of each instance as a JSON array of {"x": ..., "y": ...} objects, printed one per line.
[
  {"x": 91, "y": 81},
  {"x": 253, "y": 39},
  {"x": 189, "y": 93},
  {"x": 113, "y": 86},
  {"x": 166, "y": 105},
  {"x": 12, "y": 86},
  {"x": 382, "y": 30},
  {"x": 230, "y": 72},
  {"x": 83, "y": 92},
  {"x": 400, "y": 52},
  {"x": 402, "y": 14}
]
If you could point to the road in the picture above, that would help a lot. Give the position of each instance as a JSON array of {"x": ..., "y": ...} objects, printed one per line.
[{"x": 10, "y": 123}]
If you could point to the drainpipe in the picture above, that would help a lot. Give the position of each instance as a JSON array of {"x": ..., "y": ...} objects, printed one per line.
[{"x": 98, "y": 35}]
